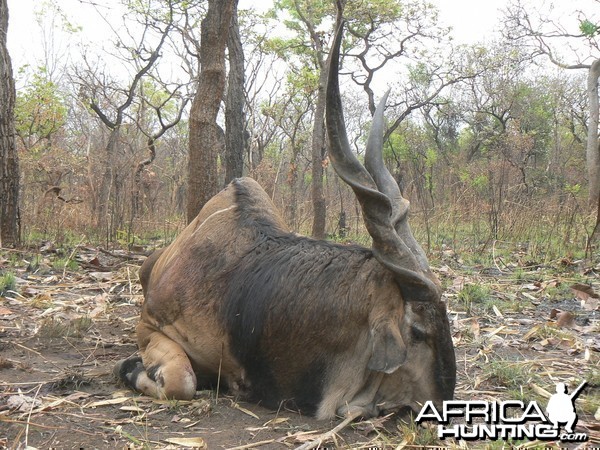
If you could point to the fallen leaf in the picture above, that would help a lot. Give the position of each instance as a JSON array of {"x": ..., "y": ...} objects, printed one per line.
[
  {"x": 593, "y": 343},
  {"x": 367, "y": 427},
  {"x": 303, "y": 436},
  {"x": 47, "y": 247},
  {"x": 540, "y": 390},
  {"x": 77, "y": 395},
  {"x": 132, "y": 409},
  {"x": 591, "y": 304},
  {"x": 122, "y": 393},
  {"x": 5, "y": 311},
  {"x": 497, "y": 311},
  {"x": 102, "y": 276},
  {"x": 531, "y": 332},
  {"x": 5, "y": 363},
  {"x": 23, "y": 402},
  {"x": 475, "y": 328},
  {"x": 458, "y": 283},
  {"x": 29, "y": 292},
  {"x": 456, "y": 322},
  {"x": 276, "y": 421},
  {"x": 565, "y": 319},
  {"x": 95, "y": 262},
  {"x": 444, "y": 269},
  {"x": 457, "y": 339},
  {"x": 196, "y": 442},
  {"x": 496, "y": 331},
  {"x": 246, "y": 411},
  {"x": 255, "y": 429},
  {"x": 583, "y": 291},
  {"x": 68, "y": 399},
  {"x": 112, "y": 401}
]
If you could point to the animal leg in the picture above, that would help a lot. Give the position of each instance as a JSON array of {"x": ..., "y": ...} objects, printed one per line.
[{"x": 164, "y": 371}]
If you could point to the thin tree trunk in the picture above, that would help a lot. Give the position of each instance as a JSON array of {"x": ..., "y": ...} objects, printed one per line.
[
  {"x": 9, "y": 160},
  {"x": 106, "y": 182},
  {"x": 204, "y": 145},
  {"x": 318, "y": 155},
  {"x": 234, "y": 105},
  {"x": 593, "y": 149}
]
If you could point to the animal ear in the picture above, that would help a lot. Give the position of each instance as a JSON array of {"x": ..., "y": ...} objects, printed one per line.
[{"x": 389, "y": 351}]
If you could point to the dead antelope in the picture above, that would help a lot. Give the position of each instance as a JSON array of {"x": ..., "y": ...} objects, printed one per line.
[{"x": 283, "y": 319}]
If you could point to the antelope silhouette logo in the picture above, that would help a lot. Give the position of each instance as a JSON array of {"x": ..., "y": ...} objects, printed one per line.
[{"x": 561, "y": 406}]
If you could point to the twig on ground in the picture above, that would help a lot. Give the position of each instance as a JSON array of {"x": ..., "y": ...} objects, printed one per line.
[
  {"x": 326, "y": 436},
  {"x": 29, "y": 415},
  {"x": 253, "y": 444}
]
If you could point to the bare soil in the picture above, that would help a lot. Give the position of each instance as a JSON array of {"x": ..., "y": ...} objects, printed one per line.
[{"x": 61, "y": 331}]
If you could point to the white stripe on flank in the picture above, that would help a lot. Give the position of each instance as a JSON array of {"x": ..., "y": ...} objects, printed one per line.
[{"x": 211, "y": 216}]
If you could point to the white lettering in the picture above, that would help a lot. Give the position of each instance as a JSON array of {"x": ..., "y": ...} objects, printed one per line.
[
  {"x": 478, "y": 408},
  {"x": 502, "y": 420},
  {"x": 433, "y": 415},
  {"x": 506, "y": 406},
  {"x": 533, "y": 412},
  {"x": 444, "y": 432},
  {"x": 454, "y": 408}
]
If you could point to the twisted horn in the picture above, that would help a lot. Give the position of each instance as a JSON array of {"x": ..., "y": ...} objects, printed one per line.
[{"x": 385, "y": 211}]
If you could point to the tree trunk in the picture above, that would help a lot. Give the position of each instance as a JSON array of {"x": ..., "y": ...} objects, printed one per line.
[
  {"x": 234, "y": 105},
  {"x": 593, "y": 150},
  {"x": 204, "y": 145},
  {"x": 318, "y": 155},
  {"x": 105, "y": 191},
  {"x": 9, "y": 160}
]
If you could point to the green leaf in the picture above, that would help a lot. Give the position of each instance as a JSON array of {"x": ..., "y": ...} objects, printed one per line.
[{"x": 588, "y": 28}]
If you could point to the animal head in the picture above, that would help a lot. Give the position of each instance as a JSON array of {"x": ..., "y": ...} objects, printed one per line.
[{"x": 423, "y": 362}]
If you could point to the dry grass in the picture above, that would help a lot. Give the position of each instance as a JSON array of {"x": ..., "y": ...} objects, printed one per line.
[{"x": 63, "y": 333}]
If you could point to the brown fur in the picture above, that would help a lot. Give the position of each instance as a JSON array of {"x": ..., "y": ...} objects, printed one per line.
[{"x": 342, "y": 324}]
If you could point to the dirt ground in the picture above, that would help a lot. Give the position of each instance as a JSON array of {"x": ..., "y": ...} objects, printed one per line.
[{"x": 61, "y": 331}]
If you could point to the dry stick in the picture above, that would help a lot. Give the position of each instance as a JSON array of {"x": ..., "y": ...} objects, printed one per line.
[
  {"x": 17, "y": 439},
  {"x": 252, "y": 445},
  {"x": 219, "y": 374},
  {"x": 29, "y": 416},
  {"x": 42, "y": 426},
  {"x": 129, "y": 280},
  {"x": 64, "y": 274},
  {"x": 325, "y": 436},
  {"x": 29, "y": 350},
  {"x": 494, "y": 256}
]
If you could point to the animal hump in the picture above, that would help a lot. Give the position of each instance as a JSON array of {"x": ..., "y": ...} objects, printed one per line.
[{"x": 255, "y": 207}]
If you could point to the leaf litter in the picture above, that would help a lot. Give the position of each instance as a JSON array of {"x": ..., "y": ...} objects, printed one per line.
[{"x": 517, "y": 333}]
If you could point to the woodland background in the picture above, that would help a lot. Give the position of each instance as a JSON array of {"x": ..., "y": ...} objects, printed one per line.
[
  {"x": 487, "y": 140},
  {"x": 119, "y": 138}
]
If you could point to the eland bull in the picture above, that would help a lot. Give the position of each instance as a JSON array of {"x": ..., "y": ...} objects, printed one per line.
[{"x": 287, "y": 320}]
